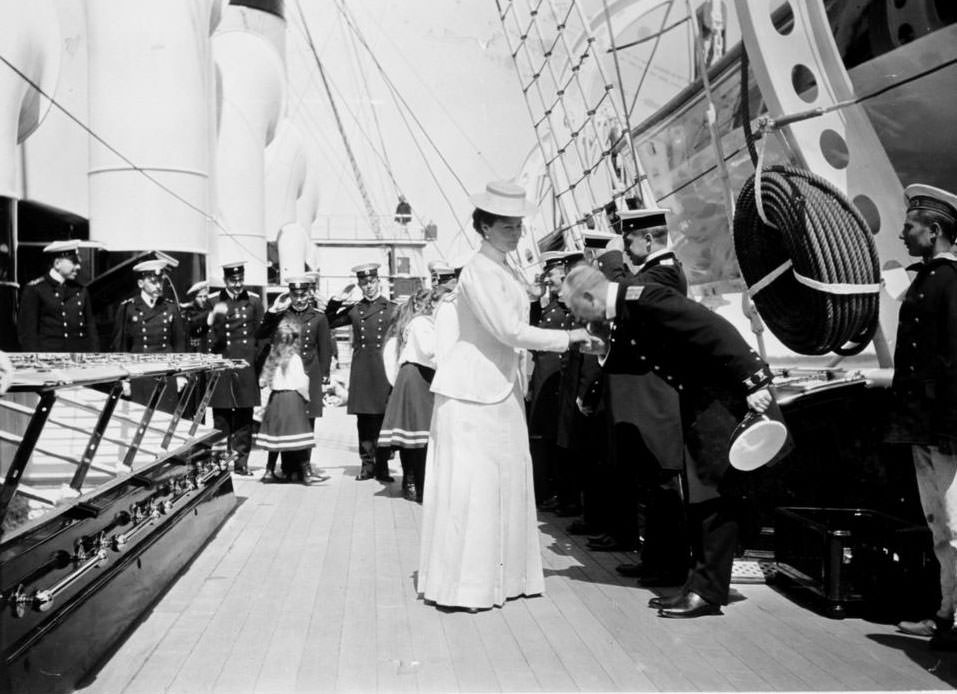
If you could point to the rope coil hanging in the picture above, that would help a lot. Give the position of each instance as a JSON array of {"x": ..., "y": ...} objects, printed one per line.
[{"x": 812, "y": 267}]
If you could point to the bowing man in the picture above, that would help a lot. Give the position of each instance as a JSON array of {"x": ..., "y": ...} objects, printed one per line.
[{"x": 717, "y": 377}]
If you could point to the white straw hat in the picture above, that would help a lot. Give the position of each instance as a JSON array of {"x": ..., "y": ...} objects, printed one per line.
[{"x": 505, "y": 199}]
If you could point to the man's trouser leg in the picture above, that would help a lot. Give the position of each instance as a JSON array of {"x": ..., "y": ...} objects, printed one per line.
[{"x": 937, "y": 486}]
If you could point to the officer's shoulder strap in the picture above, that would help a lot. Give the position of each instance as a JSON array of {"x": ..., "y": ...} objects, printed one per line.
[
  {"x": 633, "y": 293},
  {"x": 253, "y": 295},
  {"x": 127, "y": 301},
  {"x": 33, "y": 283}
]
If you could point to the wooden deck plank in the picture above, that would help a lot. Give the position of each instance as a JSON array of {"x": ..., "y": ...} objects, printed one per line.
[
  {"x": 395, "y": 669},
  {"x": 547, "y": 665},
  {"x": 319, "y": 660},
  {"x": 357, "y": 655},
  {"x": 313, "y": 590}
]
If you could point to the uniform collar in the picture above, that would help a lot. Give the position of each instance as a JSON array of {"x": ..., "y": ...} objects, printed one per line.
[
  {"x": 146, "y": 299},
  {"x": 656, "y": 257},
  {"x": 244, "y": 294},
  {"x": 56, "y": 277},
  {"x": 945, "y": 257}
]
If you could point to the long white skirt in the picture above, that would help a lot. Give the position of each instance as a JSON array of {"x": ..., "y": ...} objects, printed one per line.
[{"x": 480, "y": 541}]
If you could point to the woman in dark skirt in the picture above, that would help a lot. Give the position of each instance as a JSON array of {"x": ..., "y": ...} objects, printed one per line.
[
  {"x": 408, "y": 413},
  {"x": 285, "y": 425}
]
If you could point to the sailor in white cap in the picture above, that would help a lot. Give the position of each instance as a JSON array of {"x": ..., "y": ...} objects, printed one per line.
[
  {"x": 368, "y": 385},
  {"x": 56, "y": 314},
  {"x": 235, "y": 318},
  {"x": 925, "y": 386},
  {"x": 149, "y": 323}
]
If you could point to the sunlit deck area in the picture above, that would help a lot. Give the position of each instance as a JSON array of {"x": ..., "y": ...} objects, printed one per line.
[{"x": 312, "y": 590}]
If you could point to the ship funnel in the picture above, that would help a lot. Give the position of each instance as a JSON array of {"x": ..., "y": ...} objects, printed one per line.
[
  {"x": 150, "y": 86},
  {"x": 248, "y": 49}
]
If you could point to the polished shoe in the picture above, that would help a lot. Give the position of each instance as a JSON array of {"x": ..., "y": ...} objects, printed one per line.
[
  {"x": 690, "y": 606},
  {"x": 269, "y": 476},
  {"x": 364, "y": 475},
  {"x": 660, "y": 601},
  {"x": 579, "y": 527},
  {"x": 926, "y": 627}
]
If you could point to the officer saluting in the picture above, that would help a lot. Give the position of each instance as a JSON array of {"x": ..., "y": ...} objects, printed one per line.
[
  {"x": 368, "y": 386},
  {"x": 55, "y": 310},
  {"x": 234, "y": 320},
  {"x": 149, "y": 323}
]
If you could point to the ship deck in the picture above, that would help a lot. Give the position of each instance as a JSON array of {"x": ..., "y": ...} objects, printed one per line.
[{"x": 312, "y": 589}]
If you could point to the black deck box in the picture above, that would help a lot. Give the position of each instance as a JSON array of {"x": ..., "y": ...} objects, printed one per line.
[{"x": 855, "y": 556}]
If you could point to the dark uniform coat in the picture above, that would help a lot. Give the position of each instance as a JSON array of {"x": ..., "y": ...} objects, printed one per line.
[
  {"x": 314, "y": 348},
  {"x": 925, "y": 358},
  {"x": 643, "y": 399},
  {"x": 234, "y": 336},
  {"x": 56, "y": 317},
  {"x": 544, "y": 389},
  {"x": 368, "y": 386},
  {"x": 699, "y": 354},
  {"x": 143, "y": 330},
  {"x": 197, "y": 328}
]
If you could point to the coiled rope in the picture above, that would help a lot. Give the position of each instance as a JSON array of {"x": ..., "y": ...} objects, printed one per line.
[{"x": 807, "y": 256}]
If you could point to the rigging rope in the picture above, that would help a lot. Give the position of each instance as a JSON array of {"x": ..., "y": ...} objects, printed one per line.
[
  {"x": 370, "y": 210},
  {"x": 806, "y": 254}
]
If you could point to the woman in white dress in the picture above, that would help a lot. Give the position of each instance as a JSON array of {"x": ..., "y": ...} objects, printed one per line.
[{"x": 480, "y": 542}]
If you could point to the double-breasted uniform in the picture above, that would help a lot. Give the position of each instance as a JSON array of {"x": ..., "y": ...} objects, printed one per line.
[
  {"x": 314, "y": 348},
  {"x": 546, "y": 373},
  {"x": 925, "y": 357},
  {"x": 233, "y": 334},
  {"x": 368, "y": 385},
  {"x": 143, "y": 329},
  {"x": 642, "y": 399},
  {"x": 56, "y": 317},
  {"x": 197, "y": 328},
  {"x": 709, "y": 364}
]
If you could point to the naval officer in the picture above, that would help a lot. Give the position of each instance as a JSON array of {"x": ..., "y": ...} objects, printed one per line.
[
  {"x": 718, "y": 377},
  {"x": 56, "y": 314},
  {"x": 368, "y": 385},
  {"x": 149, "y": 323},
  {"x": 544, "y": 388},
  {"x": 234, "y": 320}
]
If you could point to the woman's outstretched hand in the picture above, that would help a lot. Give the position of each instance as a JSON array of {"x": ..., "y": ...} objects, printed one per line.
[{"x": 586, "y": 342}]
